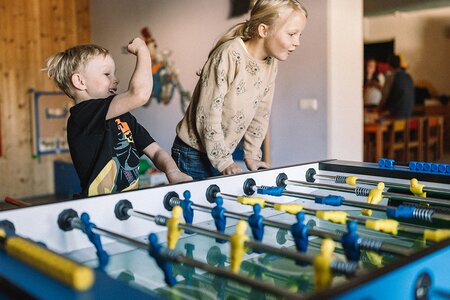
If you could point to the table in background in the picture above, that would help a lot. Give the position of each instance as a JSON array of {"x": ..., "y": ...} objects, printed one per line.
[{"x": 377, "y": 130}]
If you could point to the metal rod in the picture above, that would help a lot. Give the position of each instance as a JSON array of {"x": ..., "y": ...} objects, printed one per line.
[
  {"x": 259, "y": 284},
  {"x": 407, "y": 198},
  {"x": 250, "y": 244},
  {"x": 180, "y": 258},
  {"x": 317, "y": 232},
  {"x": 434, "y": 217},
  {"x": 362, "y": 221},
  {"x": 387, "y": 184}
]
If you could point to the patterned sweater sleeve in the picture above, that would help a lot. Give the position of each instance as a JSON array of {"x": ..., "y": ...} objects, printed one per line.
[
  {"x": 256, "y": 131},
  {"x": 216, "y": 78}
]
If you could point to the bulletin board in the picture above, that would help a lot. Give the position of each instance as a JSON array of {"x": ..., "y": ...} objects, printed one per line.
[{"x": 50, "y": 111}]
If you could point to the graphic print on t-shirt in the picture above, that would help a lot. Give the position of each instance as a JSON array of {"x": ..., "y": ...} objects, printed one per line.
[{"x": 122, "y": 171}]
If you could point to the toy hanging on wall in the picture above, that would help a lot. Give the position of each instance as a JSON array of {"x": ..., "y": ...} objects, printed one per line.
[{"x": 165, "y": 76}]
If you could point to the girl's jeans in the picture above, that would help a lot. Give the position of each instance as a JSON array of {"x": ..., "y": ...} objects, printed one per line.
[{"x": 192, "y": 161}]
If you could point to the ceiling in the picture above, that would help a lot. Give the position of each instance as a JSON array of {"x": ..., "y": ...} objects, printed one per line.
[{"x": 382, "y": 7}]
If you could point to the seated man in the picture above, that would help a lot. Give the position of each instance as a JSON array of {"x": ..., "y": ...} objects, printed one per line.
[{"x": 398, "y": 101}]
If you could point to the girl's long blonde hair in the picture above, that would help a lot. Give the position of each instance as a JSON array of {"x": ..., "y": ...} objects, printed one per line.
[{"x": 263, "y": 12}]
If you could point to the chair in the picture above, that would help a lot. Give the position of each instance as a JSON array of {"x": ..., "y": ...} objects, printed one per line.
[
  {"x": 414, "y": 142},
  {"x": 434, "y": 138},
  {"x": 375, "y": 139},
  {"x": 369, "y": 148},
  {"x": 398, "y": 135}
]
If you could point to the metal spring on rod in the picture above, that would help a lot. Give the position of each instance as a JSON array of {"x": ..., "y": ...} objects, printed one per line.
[
  {"x": 423, "y": 214},
  {"x": 340, "y": 179},
  {"x": 160, "y": 220},
  {"x": 174, "y": 202},
  {"x": 370, "y": 244},
  {"x": 362, "y": 191},
  {"x": 345, "y": 268}
]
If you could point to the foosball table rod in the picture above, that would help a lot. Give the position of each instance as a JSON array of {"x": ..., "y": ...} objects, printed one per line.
[
  {"x": 69, "y": 220},
  {"x": 389, "y": 226},
  {"x": 300, "y": 231}
]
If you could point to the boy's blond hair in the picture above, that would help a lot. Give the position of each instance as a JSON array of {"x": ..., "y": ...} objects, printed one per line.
[{"x": 62, "y": 65}]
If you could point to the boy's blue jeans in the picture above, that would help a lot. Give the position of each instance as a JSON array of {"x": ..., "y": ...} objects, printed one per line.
[{"x": 192, "y": 161}]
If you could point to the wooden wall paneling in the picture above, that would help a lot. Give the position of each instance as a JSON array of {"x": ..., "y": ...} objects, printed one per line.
[
  {"x": 31, "y": 31},
  {"x": 83, "y": 20},
  {"x": 38, "y": 184},
  {"x": 8, "y": 91},
  {"x": 69, "y": 34},
  {"x": 58, "y": 27},
  {"x": 22, "y": 108},
  {"x": 46, "y": 17},
  {"x": 2, "y": 71}
]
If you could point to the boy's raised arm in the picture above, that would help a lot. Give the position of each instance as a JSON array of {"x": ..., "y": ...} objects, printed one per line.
[{"x": 141, "y": 82}]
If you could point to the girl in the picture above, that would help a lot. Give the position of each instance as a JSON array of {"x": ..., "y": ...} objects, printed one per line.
[{"x": 233, "y": 97}]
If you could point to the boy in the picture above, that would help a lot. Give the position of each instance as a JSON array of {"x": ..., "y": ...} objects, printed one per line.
[{"x": 105, "y": 140}]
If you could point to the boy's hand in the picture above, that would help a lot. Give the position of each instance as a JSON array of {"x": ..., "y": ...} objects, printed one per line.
[
  {"x": 136, "y": 45},
  {"x": 175, "y": 176},
  {"x": 234, "y": 168},
  {"x": 253, "y": 164}
]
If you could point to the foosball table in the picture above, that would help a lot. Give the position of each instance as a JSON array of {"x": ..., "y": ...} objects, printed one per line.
[{"x": 329, "y": 229}]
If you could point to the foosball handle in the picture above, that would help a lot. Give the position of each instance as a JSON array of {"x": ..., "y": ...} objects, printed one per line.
[
  {"x": 65, "y": 219},
  {"x": 249, "y": 184},
  {"x": 281, "y": 180},
  {"x": 8, "y": 227},
  {"x": 309, "y": 176},
  {"x": 168, "y": 202},
  {"x": 211, "y": 193},
  {"x": 121, "y": 209},
  {"x": 58, "y": 267}
]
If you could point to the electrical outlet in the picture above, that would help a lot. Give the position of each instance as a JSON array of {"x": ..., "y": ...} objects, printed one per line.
[{"x": 308, "y": 104}]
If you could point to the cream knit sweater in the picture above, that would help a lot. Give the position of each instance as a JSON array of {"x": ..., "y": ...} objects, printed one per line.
[{"x": 232, "y": 101}]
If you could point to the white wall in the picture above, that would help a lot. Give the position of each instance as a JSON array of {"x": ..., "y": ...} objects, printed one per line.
[
  {"x": 422, "y": 37},
  {"x": 190, "y": 28},
  {"x": 345, "y": 133}
]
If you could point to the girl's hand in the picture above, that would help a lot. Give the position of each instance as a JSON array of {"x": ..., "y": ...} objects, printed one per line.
[
  {"x": 232, "y": 169},
  {"x": 254, "y": 165}
]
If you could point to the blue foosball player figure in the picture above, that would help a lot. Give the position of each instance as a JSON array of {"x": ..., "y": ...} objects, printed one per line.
[
  {"x": 299, "y": 231},
  {"x": 155, "y": 251},
  {"x": 350, "y": 241},
  {"x": 256, "y": 223},
  {"x": 218, "y": 213}
]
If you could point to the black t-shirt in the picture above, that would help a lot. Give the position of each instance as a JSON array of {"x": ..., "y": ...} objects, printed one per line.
[{"x": 105, "y": 153}]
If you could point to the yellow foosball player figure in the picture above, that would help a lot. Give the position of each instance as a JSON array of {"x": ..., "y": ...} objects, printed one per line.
[
  {"x": 237, "y": 242},
  {"x": 417, "y": 189},
  {"x": 173, "y": 232},
  {"x": 322, "y": 265},
  {"x": 375, "y": 196}
]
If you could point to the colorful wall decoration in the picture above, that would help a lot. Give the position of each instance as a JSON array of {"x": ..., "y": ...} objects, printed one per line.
[{"x": 165, "y": 75}]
